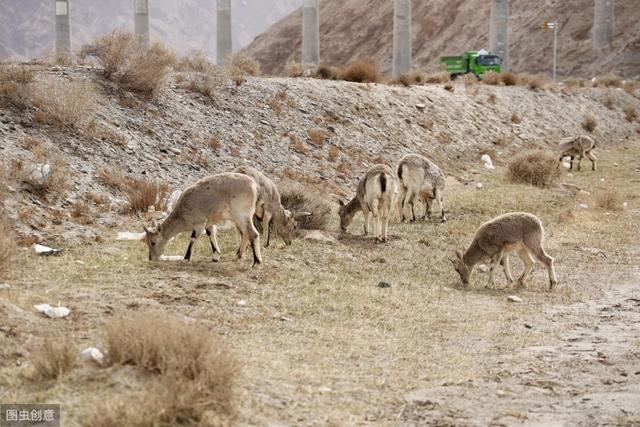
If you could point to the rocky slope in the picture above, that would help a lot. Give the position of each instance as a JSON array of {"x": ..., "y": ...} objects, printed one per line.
[
  {"x": 266, "y": 123},
  {"x": 352, "y": 29},
  {"x": 26, "y": 27}
]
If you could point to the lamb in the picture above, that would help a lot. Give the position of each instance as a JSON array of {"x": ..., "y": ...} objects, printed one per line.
[
  {"x": 580, "y": 146},
  {"x": 374, "y": 194},
  {"x": 519, "y": 232},
  {"x": 225, "y": 196},
  {"x": 269, "y": 207},
  {"x": 419, "y": 177}
]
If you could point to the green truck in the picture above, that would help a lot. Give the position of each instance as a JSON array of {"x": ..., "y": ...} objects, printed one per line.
[{"x": 476, "y": 62}]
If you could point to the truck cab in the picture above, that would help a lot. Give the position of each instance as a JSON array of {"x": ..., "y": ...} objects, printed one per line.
[{"x": 476, "y": 62}]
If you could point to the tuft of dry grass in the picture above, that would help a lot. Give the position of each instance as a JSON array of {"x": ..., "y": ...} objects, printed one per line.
[
  {"x": 608, "y": 80},
  {"x": 439, "y": 77},
  {"x": 589, "y": 122},
  {"x": 516, "y": 118},
  {"x": 14, "y": 84},
  {"x": 317, "y": 136},
  {"x": 361, "y": 71},
  {"x": 53, "y": 358},
  {"x": 415, "y": 77},
  {"x": 66, "y": 103},
  {"x": 610, "y": 200},
  {"x": 575, "y": 84},
  {"x": 533, "y": 81},
  {"x": 49, "y": 184},
  {"x": 7, "y": 248},
  {"x": 241, "y": 67},
  {"x": 449, "y": 87},
  {"x": 201, "y": 75},
  {"x": 491, "y": 78},
  {"x": 294, "y": 69},
  {"x": 334, "y": 152},
  {"x": 193, "y": 373},
  {"x": 630, "y": 112},
  {"x": 508, "y": 78},
  {"x": 141, "y": 195},
  {"x": 276, "y": 105},
  {"x": 538, "y": 168},
  {"x": 81, "y": 212},
  {"x": 299, "y": 197},
  {"x": 213, "y": 143},
  {"x": 326, "y": 72},
  {"x": 296, "y": 145},
  {"x": 609, "y": 101},
  {"x": 126, "y": 63}
]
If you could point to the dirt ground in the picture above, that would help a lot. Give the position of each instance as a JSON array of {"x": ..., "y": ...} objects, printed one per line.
[{"x": 320, "y": 343}]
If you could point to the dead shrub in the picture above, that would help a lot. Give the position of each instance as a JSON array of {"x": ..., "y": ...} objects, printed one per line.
[
  {"x": 326, "y": 72},
  {"x": 630, "y": 112},
  {"x": 14, "y": 84},
  {"x": 610, "y": 200},
  {"x": 491, "y": 78},
  {"x": 299, "y": 197},
  {"x": 333, "y": 153},
  {"x": 515, "y": 118},
  {"x": 538, "y": 168},
  {"x": 439, "y": 77},
  {"x": 317, "y": 136},
  {"x": 609, "y": 102},
  {"x": 492, "y": 98},
  {"x": 575, "y": 84},
  {"x": 241, "y": 67},
  {"x": 67, "y": 103},
  {"x": 140, "y": 194},
  {"x": 81, "y": 213},
  {"x": 361, "y": 71},
  {"x": 608, "y": 80},
  {"x": 294, "y": 69},
  {"x": 53, "y": 358},
  {"x": 533, "y": 81},
  {"x": 7, "y": 248},
  {"x": 201, "y": 75},
  {"x": 567, "y": 215},
  {"x": 193, "y": 374},
  {"x": 196, "y": 61},
  {"x": 508, "y": 78},
  {"x": 415, "y": 77},
  {"x": 126, "y": 63},
  {"x": 296, "y": 145},
  {"x": 276, "y": 106},
  {"x": 632, "y": 87},
  {"x": 213, "y": 143},
  {"x": 589, "y": 122}
]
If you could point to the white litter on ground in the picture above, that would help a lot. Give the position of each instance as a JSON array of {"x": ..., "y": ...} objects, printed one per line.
[
  {"x": 173, "y": 258},
  {"x": 52, "y": 312},
  {"x": 44, "y": 250},
  {"x": 514, "y": 298},
  {"x": 92, "y": 353},
  {"x": 488, "y": 163}
]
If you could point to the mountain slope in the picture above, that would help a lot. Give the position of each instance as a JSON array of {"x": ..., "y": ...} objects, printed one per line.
[
  {"x": 352, "y": 29},
  {"x": 27, "y": 28}
]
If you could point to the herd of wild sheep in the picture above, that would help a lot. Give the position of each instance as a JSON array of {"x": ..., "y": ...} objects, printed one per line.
[{"x": 246, "y": 194}]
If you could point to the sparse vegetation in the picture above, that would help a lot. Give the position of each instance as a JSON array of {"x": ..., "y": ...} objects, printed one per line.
[
  {"x": 333, "y": 153},
  {"x": 610, "y": 200},
  {"x": 299, "y": 197},
  {"x": 415, "y": 77},
  {"x": 630, "y": 112},
  {"x": 141, "y": 195},
  {"x": 508, "y": 78},
  {"x": 439, "y": 77},
  {"x": 538, "y": 168},
  {"x": 48, "y": 180},
  {"x": 81, "y": 212},
  {"x": 67, "y": 103},
  {"x": 53, "y": 358},
  {"x": 533, "y": 81},
  {"x": 608, "y": 80},
  {"x": 294, "y": 69},
  {"x": 589, "y": 122},
  {"x": 296, "y": 145},
  {"x": 213, "y": 143},
  {"x": 326, "y": 72},
  {"x": 491, "y": 78},
  {"x": 449, "y": 87},
  {"x": 609, "y": 101},
  {"x": 241, "y": 67},
  {"x": 361, "y": 71},
  {"x": 317, "y": 136},
  {"x": 7, "y": 247},
  {"x": 515, "y": 118},
  {"x": 201, "y": 75},
  {"x": 575, "y": 84},
  {"x": 15, "y": 81}
]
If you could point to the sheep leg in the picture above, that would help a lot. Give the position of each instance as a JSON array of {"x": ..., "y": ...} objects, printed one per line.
[
  {"x": 194, "y": 237},
  {"x": 571, "y": 162},
  {"x": 547, "y": 261},
  {"x": 507, "y": 269},
  {"x": 385, "y": 221},
  {"x": 440, "y": 198},
  {"x": 266, "y": 231},
  {"x": 401, "y": 198},
  {"x": 408, "y": 199},
  {"x": 365, "y": 213},
  {"x": 428, "y": 208},
  {"x": 593, "y": 159},
  {"x": 494, "y": 263},
  {"x": 529, "y": 262},
  {"x": 213, "y": 240},
  {"x": 244, "y": 239},
  {"x": 579, "y": 161},
  {"x": 375, "y": 211}
]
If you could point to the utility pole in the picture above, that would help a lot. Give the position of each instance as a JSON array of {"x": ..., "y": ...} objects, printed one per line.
[
  {"x": 311, "y": 32},
  {"x": 223, "y": 31},
  {"x": 141, "y": 22},
  {"x": 401, "y": 37},
  {"x": 499, "y": 31},
  {"x": 553, "y": 26},
  {"x": 603, "y": 23},
  {"x": 63, "y": 28}
]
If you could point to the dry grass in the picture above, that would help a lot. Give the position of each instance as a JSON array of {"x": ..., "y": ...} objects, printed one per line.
[
  {"x": 610, "y": 200},
  {"x": 333, "y": 154},
  {"x": 213, "y": 143},
  {"x": 7, "y": 248},
  {"x": 276, "y": 106},
  {"x": 533, "y": 81},
  {"x": 538, "y": 168},
  {"x": 589, "y": 122},
  {"x": 300, "y": 197},
  {"x": 141, "y": 195},
  {"x": 317, "y": 136},
  {"x": 296, "y": 145},
  {"x": 66, "y": 103},
  {"x": 127, "y": 64},
  {"x": 294, "y": 69},
  {"x": 516, "y": 118},
  {"x": 361, "y": 71},
  {"x": 630, "y": 112},
  {"x": 608, "y": 80},
  {"x": 491, "y": 78},
  {"x": 53, "y": 358},
  {"x": 194, "y": 374},
  {"x": 49, "y": 187},
  {"x": 14, "y": 84},
  {"x": 81, "y": 213},
  {"x": 241, "y": 67},
  {"x": 575, "y": 84},
  {"x": 327, "y": 72},
  {"x": 415, "y": 77},
  {"x": 201, "y": 75},
  {"x": 508, "y": 78},
  {"x": 609, "y": 101},
  {"x": 449, "y": 87},
  {"x": 439, "y": 77}
]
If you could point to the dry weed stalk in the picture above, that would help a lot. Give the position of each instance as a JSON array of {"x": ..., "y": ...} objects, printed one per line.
[{"x": 53, "y": 358}]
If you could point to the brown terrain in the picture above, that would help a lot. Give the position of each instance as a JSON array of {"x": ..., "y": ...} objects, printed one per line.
[
  {"x": 311, "y": 337},
  {"x": 353, "y": 29}
]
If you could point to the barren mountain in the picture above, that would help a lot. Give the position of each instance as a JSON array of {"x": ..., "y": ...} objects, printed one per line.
[
  {"x": 352, "y": 29},
  {"x": 27, "y": 28}
]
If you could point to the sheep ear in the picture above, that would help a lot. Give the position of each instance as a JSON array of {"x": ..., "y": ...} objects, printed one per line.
[
  {"x": 459, "y": 254},
  {"x": 340, "y": 202},
  {"x": 155, "y": 223}
]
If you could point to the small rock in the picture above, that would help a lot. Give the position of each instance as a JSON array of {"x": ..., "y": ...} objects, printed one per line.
[
  {"x": 421, "y": 106},
  {"x": 384, "y": 285},
  {"x": 286, "y": 319},
  {"x": 242, "y": 303},
  {"x": 92, "y": 353},
  {"x": 44, "y": 250},
  {"x": 514, "y": 298},
  {"x": 488, "y": 163},
  {"x": 583, "y": 206},
  {"x": 324, "y": 389},
  {"x": 479, "y": 185},
  {"x": 52, "y": 312},
  {"x": 500, "y": 393},
  {"x": 567, "y": 165},
  {"x": 174, "y": 150},
  {"x": 528, "y": 325},
  {"x": 601, "y": 179},
  {"x": 5, "y": 286},
  {"x": 483, "y": 268},
  {"x": 79, "y": 262}
]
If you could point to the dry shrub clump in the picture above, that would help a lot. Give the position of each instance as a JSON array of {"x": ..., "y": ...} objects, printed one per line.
[
  {"x": 608, "y": 80},
  {"x": 334, "y": 152},
  {"x": 201, "y": 75},
  {"x": 516, "y": 118},
  {"x": 589, "y": 122},
  {"x": 14, "y": 84},
  {"x": 361, "y": 71},
  {"x": 537, "y": 168},
  {"x": 575, "y": 84},
  {"x": 53, "y": 358},
  {"x": 491, "y": 78},
  {"x": 294, "y": 69},
  {"x": 630, "y": 112},
  {"x": 7, "y": 248},
  {"x": 243, "y": 66},
  {"x": 299, "y": 197},
  {"x": 439, "y": 77},
  {"x": 415, "y": 77},
  {"x": 67, "y": 103},
  {"x": 141, "y": 195},
  {"x": 610, "y": 200},
  {"x": 126, "y": 63},
  {"x": 317, "y": 136},
  {"x": 193, "y": 375},
  {"x": 48, "y": 180},
  {"x": 296, "y": 145},
  {"x": 213, "y": 143},
  {"x": 533, "y": 81},
  {"x": 326, "y": 72},
  {"x": 508, "y": 78}
]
